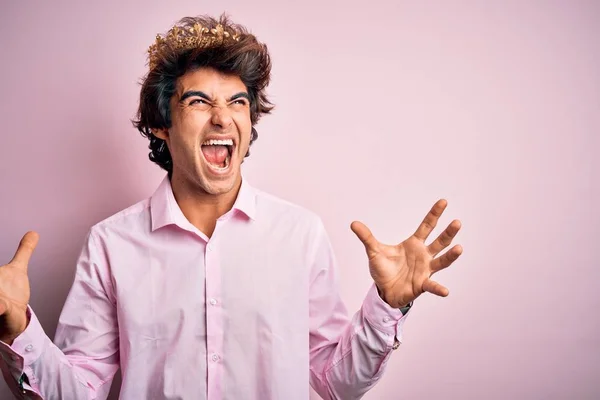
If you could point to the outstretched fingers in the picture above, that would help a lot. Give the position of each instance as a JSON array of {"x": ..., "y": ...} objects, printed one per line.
[
  {"x": 435, "y": 288},
  {"x": 445, "y": 238},
  {"x": 430, "y": 220},
  {"x": 446, "y": 259}
]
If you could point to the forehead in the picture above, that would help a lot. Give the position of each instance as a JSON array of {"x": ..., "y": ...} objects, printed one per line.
[{"x": 211, "y": 82}]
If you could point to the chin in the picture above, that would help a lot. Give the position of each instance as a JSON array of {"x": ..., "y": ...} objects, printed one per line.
[
  {"x": 218, "y": 181},
  {"x": 219, "y": 187}
]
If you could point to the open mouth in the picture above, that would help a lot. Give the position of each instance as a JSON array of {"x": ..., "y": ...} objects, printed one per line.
[{"x": 217, "y": 153}]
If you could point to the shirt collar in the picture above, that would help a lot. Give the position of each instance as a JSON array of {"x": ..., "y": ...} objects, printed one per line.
[{"x": 164, "y": 209}]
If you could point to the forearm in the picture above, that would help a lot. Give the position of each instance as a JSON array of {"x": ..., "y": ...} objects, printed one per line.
[
  {"x": 34, "y": 366},
  {"x": 350, "y": 367}
]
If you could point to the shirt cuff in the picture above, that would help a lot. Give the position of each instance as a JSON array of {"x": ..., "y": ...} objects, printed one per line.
[
  {"x": 26, "y": 348},
  {"x": 382, "y": 316}
]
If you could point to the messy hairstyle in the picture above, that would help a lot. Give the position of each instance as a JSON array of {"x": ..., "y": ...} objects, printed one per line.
[{"x": 245, "y": 57}]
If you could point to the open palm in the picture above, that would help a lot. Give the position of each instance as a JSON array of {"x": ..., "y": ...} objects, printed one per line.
[{"x": 403, "y": 272}]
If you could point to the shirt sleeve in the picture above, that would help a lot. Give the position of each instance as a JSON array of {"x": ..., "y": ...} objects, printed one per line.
[
  {"x": 347, "y": 356},
  {"x": 84, "y": 358}
]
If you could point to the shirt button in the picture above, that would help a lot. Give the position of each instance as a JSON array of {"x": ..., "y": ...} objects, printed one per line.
[
  {"x": 209, "y": 247},
  {"x": 386, "y": 319},
  {"x": 215, "y": 357},
  {"x": 29, "y": 348},
  {"x": 213, "y": 302}
]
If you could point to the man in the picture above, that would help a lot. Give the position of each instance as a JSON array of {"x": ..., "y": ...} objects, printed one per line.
[{"x": 211, "y": 288}]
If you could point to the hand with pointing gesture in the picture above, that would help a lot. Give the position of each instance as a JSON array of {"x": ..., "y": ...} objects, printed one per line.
[
  {"x": 403, "y": 272},
  {"x": 14, "y": 290}
]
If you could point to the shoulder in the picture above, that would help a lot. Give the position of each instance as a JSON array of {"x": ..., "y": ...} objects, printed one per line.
[
  {"x": 135, "y": 218},
  {"x": 276, "y": 209}
]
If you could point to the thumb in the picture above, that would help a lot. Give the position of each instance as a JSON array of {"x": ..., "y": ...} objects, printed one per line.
[
  {"x": 26, "y": 247},
  {"x": 365, "y": 236}
]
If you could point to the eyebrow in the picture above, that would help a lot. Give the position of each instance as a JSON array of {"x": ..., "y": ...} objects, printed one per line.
[{"x": 198, "y": 93}]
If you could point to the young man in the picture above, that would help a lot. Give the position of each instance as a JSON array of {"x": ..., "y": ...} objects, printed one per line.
[{"x": 211, "y": 288}]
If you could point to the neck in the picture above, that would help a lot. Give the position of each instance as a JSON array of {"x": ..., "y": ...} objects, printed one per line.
[{"x": 200, "y": 208}]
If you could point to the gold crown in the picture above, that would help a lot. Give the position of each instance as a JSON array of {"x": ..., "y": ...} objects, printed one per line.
[{"x": 194, "y": 37}]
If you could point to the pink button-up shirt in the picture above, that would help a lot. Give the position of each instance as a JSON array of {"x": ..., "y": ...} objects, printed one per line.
[{"x": 252, "y": 312}]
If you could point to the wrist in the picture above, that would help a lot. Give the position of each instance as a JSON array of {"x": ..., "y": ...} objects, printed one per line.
[
  {"x": 8, "y": 340},
  {"x": 387, "y": 299},
  {"x": 10, "y": 337}
]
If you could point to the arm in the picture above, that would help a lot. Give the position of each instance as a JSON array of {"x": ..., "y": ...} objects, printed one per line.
[
  {"x": 82, "y": 362},
  {"x": 347, "y": 357}
]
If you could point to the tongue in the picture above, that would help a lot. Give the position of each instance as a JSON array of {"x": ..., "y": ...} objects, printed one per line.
[{"x": 215, "y": 154}]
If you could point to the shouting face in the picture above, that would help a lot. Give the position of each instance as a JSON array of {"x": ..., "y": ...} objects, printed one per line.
[{"x": 210, "y": 131}]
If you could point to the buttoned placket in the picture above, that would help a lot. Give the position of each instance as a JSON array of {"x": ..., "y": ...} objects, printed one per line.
[{"x": 214, "y": 317}]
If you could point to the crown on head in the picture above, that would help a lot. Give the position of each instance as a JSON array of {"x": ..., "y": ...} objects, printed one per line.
[{"x": 188, "y": 38}]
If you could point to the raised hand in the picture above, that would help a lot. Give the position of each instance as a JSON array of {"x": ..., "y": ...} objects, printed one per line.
[
  {"x": 14, "y": 290},
  {"x": 403, "y": 272}
]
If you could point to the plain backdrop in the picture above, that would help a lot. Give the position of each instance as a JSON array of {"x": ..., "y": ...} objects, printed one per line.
[{"x": 382, "y": 108}]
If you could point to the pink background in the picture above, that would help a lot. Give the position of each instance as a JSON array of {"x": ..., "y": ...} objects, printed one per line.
[{"x": 382, "y": 108}]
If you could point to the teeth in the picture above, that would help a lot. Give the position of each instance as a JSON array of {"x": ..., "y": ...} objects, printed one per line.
[{"x": 217, "y": 142}]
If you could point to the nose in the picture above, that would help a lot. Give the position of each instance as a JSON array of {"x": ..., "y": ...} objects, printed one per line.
[{"x": 221, "y": 117}]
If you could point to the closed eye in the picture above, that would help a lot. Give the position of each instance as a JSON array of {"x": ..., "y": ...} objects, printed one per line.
[{"x": 199, "y": 101}]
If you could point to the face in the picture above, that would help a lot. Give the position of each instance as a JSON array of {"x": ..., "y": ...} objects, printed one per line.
[{"x": 210, "y": 131}]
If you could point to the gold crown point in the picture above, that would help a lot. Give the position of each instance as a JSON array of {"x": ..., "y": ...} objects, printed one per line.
[{"x": 188, "y": 38}]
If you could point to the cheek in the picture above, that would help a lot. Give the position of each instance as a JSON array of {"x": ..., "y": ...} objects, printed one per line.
[
  {"x": 244, "y": 126},
  {"x": 182, "y": 146},
  {"x": 188, "y": 128}
]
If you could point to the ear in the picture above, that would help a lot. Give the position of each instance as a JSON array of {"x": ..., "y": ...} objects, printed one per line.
[{"x": 161, "y": 133}]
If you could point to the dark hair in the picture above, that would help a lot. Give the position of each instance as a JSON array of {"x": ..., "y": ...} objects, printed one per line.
[{"x": 245, "y": 57}]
